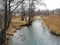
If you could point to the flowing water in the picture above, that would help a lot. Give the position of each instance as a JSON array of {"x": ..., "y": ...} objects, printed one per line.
[{"x": 37, "y": 34}]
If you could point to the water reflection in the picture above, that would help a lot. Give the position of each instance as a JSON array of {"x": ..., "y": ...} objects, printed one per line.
[{"x": 36, "y": 34}]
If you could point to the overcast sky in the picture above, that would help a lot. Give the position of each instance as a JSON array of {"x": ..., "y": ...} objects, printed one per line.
[{"x": 51, "y": 4}]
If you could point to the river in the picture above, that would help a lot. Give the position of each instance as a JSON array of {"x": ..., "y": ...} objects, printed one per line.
[{"x": 37, "y": 34}]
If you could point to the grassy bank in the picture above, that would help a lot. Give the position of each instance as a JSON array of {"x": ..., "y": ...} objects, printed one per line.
[
  {"x": 16, "y": 22},
  {"x": 53, "y": 23}
]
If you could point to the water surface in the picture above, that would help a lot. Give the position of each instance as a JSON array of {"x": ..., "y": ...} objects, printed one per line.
[{"x": 36, "y": 34}]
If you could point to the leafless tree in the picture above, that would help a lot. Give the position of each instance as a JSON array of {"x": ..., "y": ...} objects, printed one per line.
[
  {"x": 7, "y": 19},
  {"x": 23, "y": 9},
  {"x": 32, "y": 8}
]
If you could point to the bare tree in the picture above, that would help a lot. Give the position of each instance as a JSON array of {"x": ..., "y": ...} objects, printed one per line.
[
  {"x": 23, "y": 9},
  {"x": 7, "y": 19},
  {"x": 31, "y": 10}
]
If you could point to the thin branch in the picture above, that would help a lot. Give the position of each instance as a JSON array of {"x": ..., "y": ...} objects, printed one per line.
[
  {"x": 16, "y": 3},
  {"x": 15, "y": 7}
]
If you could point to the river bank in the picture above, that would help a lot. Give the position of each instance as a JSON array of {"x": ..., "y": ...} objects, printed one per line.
[
  {"x": 37, "y": 25},
  {"x": 53, "y": 23},
  {"x": 36, "y": 34}
]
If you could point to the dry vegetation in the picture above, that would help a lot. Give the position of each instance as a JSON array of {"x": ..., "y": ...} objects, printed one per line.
[
  {"x": 36, "y": 17},
  {"x": 53, "y": 23},
  {"x": 15, "y": 25},
  {"x": 16, "y": 22}
]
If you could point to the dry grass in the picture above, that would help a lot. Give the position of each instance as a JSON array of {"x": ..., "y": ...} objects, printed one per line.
[
  {"x": 36, "y": 17},
  {"x": 53, "y": 22},
  {"x": 16, "y": 22},
  {"x": 15, "y": 25}
]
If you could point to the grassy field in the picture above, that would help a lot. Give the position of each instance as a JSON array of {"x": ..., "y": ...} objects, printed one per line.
[{"x": 53, "y": 23}]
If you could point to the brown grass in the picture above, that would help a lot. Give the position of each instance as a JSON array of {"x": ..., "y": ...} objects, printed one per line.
[
  {"x": 16, "y": 22},
  {"x": 53, "y": 22}
]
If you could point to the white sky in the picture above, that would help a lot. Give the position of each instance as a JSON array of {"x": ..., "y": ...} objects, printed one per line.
[{"x": 51, "y": 4}]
